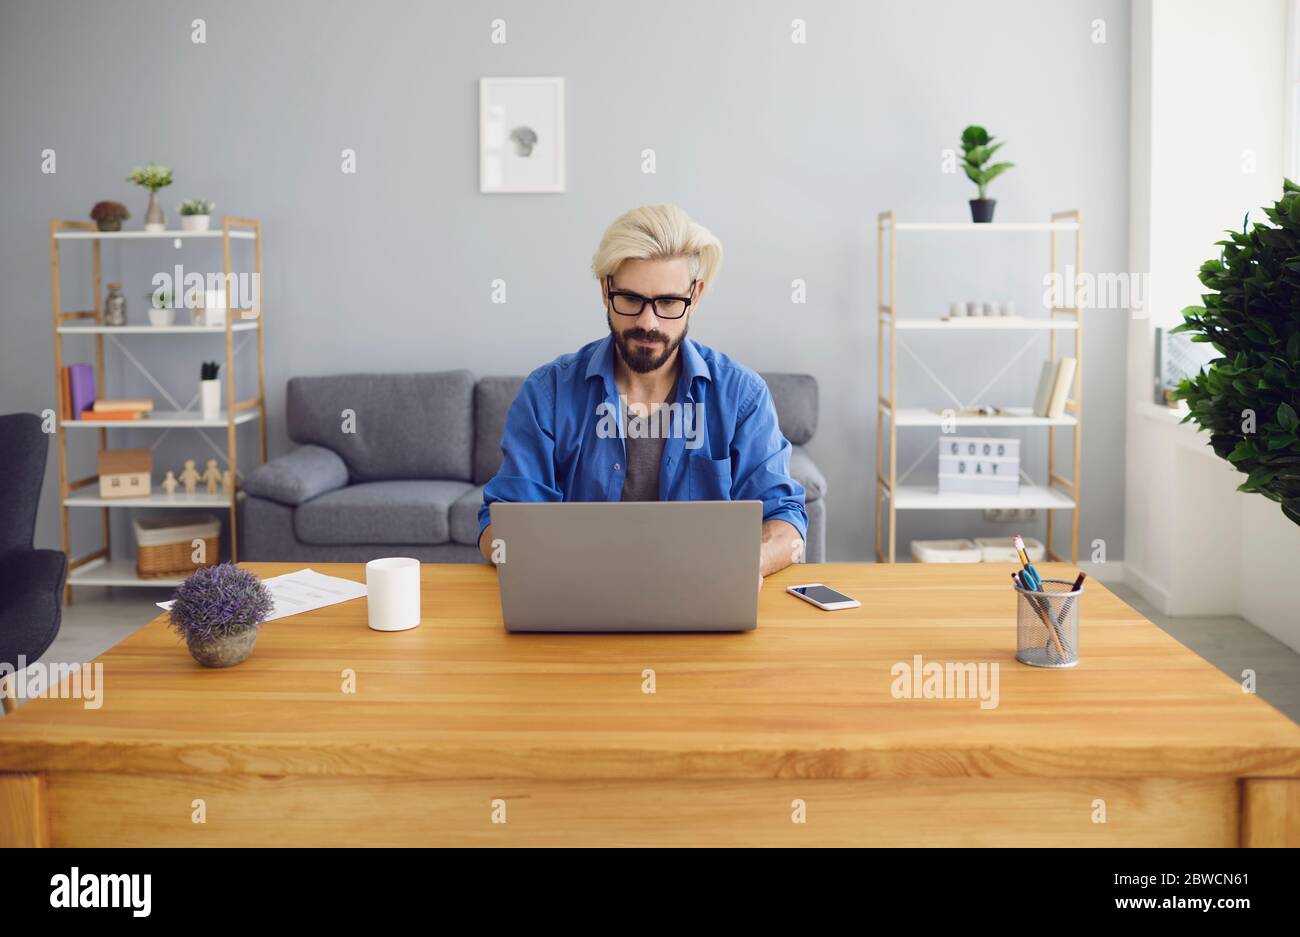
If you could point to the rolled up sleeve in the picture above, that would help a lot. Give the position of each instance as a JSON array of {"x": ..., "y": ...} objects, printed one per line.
[
  {"x": 761, "y": 464},
  {"x": 527, "y": 472}
]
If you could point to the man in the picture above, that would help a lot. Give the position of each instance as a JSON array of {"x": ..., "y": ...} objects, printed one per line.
[{"x": 647, "y": 414}]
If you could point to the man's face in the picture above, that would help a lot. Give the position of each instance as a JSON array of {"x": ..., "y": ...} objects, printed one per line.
[{"x": 645, "y": 341}]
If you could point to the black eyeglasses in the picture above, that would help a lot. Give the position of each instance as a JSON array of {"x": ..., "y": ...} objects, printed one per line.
[{"x": 627, "y": 303}]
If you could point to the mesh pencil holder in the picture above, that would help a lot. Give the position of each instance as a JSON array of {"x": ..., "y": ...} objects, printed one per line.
[{"x": 1047, "y": 625}]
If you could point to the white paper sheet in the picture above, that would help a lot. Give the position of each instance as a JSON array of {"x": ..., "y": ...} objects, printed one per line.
[{"x": 304, "y": 591}]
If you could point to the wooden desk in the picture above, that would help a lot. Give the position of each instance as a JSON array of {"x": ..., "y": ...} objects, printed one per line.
[{"x": 455, "y": 720}]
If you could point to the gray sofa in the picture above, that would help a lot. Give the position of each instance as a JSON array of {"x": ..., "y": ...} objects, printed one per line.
[{"x": 395, "y": 464}]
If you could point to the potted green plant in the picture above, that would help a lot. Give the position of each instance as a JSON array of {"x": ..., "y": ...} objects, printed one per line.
[
  {"x": 108, "y": 216},
  {"x": 977, "y": 148},
  {"x": 195, "y": 214},
  {"x": 1247, "y": 399},
  {"x": 152, "y": 177},
  {"x": 161, "y": 311}
]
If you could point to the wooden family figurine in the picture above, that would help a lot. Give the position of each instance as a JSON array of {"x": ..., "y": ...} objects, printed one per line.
[
  {"x": 212, "y": 476},
  {"x": 169, "y": 483},
  {"x": 190, "y": 477}
]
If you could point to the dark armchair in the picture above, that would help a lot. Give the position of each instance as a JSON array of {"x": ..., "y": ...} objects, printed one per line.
[{"x": 31, "y": 581}]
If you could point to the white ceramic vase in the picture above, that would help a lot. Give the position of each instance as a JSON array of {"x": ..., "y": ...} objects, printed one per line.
[{"x": 210, "y": 399}]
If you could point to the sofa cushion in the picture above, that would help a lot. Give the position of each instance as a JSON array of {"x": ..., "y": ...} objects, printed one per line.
[
  {"x": 492, "y": 399},
  {"x": 415, "y": 512},
  {"x": 388, "y": 426},
  {"x": 795, "y": 397},
  {"x": 298, "y": 476},
  {"x": 805, "y": 471},
  {"x": 464, "y": 516}
]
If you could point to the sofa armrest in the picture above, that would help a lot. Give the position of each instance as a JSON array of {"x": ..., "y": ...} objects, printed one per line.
[{"x": 305, "y": 473}]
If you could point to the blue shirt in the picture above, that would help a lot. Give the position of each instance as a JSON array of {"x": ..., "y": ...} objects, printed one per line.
[{"x": 563, "y": 437}]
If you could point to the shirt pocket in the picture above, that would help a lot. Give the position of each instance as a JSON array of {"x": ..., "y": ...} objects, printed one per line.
[{"x": 709, "y": 479}]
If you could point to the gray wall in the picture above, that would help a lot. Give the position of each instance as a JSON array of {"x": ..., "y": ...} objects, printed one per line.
[{"x": 786, "y": 151}]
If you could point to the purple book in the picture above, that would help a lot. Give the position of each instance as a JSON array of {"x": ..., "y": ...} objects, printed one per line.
[{"x": 81, "y": 383}]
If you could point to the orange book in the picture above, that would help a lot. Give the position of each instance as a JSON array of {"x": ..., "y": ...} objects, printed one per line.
[{"x": 113, "y": 415}]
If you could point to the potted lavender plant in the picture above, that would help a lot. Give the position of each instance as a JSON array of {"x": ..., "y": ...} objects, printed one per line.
[{"x": 217, "y": 610}]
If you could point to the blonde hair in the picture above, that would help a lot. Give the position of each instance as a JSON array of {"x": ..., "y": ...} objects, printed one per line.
[{"x": 658, "y": 232}]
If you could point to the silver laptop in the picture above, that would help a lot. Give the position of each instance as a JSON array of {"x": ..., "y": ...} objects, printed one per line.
[{"x": 634, "y": 566}]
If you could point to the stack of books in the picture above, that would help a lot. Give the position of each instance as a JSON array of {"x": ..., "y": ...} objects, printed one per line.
[
  {"x": 118, "y": 410},
  {"x": 79, "y": 401}
]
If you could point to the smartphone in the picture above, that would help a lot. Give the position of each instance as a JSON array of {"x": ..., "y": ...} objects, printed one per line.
[{"x": 823, "y": 597}]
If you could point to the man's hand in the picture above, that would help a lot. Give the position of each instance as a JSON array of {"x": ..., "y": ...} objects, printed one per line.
[
  {"x": 782, "y": 546},
  {"x": 485, "y": 544}
]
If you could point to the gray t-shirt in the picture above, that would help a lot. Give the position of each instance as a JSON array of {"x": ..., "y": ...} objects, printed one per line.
[{"x": 645, "y": 453}]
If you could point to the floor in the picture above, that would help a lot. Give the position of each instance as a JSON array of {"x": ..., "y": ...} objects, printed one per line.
[{"x": 101, "y": 618}]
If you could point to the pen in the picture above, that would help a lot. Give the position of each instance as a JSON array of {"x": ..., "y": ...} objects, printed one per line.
[{"x": 1065, "y": 606}]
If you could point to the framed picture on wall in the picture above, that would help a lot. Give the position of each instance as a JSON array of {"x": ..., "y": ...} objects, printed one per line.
[{"x": 521, "y": 134}]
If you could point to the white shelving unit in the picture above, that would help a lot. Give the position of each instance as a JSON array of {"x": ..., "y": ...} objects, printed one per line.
[
  {"x": 98, "y": 567},
  {"x": 1058, "y": 493},
  {"x": 105, "y": 572},
  {"x": 980, "y": 324},
  {"x": 167, "y": 419},
  {"x": 241, "y": 326}
]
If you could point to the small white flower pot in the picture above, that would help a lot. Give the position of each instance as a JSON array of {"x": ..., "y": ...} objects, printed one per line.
[
  {"x": 210, "y": 399},
  {"x": 160, "y": 318},
  {"x": 195, "y": 222}
]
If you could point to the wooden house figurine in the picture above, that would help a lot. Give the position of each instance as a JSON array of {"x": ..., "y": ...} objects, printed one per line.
[{"x": 125, "y": 473}]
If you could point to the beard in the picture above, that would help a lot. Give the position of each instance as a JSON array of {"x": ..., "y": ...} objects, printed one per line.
[{"x": 641, "y": 359}]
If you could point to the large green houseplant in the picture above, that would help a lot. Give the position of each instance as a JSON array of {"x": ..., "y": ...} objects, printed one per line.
[{"x": 1248, "y": 399}]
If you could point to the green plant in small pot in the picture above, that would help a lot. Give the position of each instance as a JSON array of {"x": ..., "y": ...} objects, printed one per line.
[
  {"x": 195, "y": 214},
  {"x": 218, "y": 610},
  {"x": 977, "y": 149},
  {"x": 108, "y": 216},
  {"x": 1248, "y": 399},
  {"x": 152, "y": 177}
]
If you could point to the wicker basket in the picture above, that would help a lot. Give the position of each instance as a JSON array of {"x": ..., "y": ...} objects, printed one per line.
[{"x": 165, "y": 545}]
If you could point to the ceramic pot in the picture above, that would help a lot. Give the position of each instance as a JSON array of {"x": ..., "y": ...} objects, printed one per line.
[
  {"x": 981, "y": 210},
  {"x": 225, "y": 651},
  {"x": 210, "y": 399}
]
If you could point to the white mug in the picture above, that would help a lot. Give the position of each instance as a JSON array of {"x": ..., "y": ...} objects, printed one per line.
[{"x": 393, "y": 593}]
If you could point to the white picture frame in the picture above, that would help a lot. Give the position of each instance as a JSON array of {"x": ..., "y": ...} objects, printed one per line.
[{"x": 521, "y": 135}]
